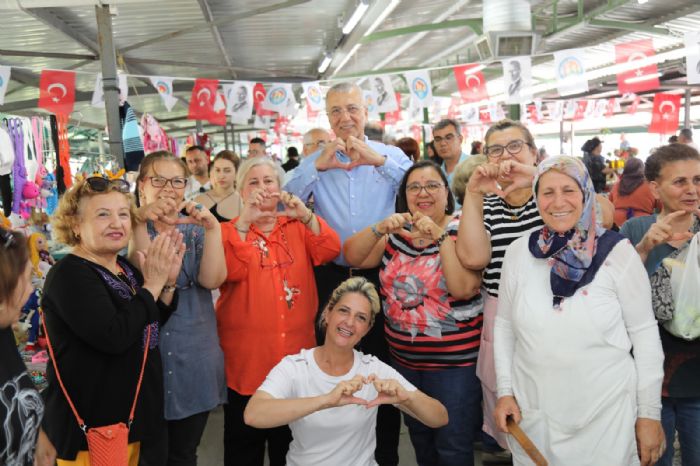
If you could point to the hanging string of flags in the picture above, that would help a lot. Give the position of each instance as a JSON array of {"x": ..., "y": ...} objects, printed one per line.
[{"x": 214, "y": 101}]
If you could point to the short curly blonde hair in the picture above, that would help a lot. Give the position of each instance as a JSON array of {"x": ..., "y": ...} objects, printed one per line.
[{"x": 67, "y": 215}]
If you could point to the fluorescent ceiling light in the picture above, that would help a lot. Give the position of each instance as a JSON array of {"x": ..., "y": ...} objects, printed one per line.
[
  {"x": 325, "y": 63},
  {"x": 356, "y": 16},
  {"x": 347, "y": 58},
  {"x": 380, "y": 19}
]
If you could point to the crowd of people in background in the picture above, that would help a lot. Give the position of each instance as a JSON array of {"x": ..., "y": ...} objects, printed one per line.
[{"x": 321, "y": 299}]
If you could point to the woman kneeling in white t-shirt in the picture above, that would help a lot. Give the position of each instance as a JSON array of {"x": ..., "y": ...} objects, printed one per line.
[{"x": 327, "y": 394}]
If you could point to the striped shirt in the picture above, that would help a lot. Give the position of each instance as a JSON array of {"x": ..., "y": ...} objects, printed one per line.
[
  {"x": 505, "y": 224},
  {"x": 425, "y": 326}
]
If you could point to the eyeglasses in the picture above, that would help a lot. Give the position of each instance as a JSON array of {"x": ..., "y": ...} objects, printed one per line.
[
  {"x": 431, "y": 188},
  {"x": 320, "y": 144},
  {"x": 513, "y": 147},
  {"x": 353, "y": 110},
  {"x": 99, "y": 184},
  {"x": 160, "y": 182},
  {"x": 448, "y": 138}
]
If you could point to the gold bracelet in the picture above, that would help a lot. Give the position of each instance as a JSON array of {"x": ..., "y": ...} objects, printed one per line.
[{"x": 306, "y": 222}]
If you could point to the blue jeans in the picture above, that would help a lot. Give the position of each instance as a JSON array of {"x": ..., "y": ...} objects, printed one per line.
[
  {"x": 682, "y": 415},
  {"x": 460, "y": 391}
]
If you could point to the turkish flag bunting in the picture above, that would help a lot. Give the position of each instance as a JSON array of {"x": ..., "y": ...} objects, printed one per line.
[
  {"x": 532, "y": 114},
  {"x": 610, "y": 107},
  {"x": 581, "y": 107},
  {"x": 311, "y": 113},
  {"x": 203, "y": 100},
  {"x": 471, "y": 83},
  {"x": 453, "y": 109},
  {"x": 665, "y": 115},
  {"x": 391, "y": 118},
  {"x": 57, "y": 91},
  {"x": 484, "y": 115},
  {"x": 632, "y": 109},
  {"x": 640, "y": 79},
  {"x": 259, "y": 94}
]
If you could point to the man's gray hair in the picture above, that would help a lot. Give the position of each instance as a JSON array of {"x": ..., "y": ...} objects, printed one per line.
[
  {"x": 344, "y": 88},
  {"x": 442, "y": 124}
]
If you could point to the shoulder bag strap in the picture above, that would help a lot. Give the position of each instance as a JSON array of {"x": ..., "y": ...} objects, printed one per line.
[{"x": 81, "y": 423}]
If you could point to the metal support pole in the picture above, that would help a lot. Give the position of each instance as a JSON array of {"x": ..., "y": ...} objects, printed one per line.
[
  {"x": 561, "y": 136},
  {"x": 226, "y": 136},
  {"x": 571, "y": 141},
  {"x": 686, "y": 106},
  {"x": 110, "y": 85},
  {"x": 426, "y": 120},
  {"x": 200, "y": 127},
  {"x": 514, "y": 112}
]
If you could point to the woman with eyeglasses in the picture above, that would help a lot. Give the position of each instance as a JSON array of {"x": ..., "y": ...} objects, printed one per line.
[
  {"x": 99, "y": 311},
  {"x": 498, "y": 208},
  {"x": 193, "y": 364},
  {"x": 432, "y": 306},
  {"x": 23, "y": 442},
  {"x": 268, "y": 301}
]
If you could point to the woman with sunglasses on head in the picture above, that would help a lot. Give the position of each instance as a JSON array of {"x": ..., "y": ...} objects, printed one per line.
[
  {"x": 99, "y": 311},
  {"x": 432, "y": 306},
  {"x": 268, "y": 302},
  {"x": 498, "y": 208},
  {"x": 193, "y": 363},
  {"x": 22, "y": 442}
]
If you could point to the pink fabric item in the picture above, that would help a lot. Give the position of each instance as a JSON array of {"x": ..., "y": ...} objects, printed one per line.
[
  {"x": 486, "y": 371},
  {"x": 154, "y": 138}
]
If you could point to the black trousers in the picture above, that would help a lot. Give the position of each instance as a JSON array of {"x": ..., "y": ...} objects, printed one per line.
[
  {"x": 328, "y": 277},
  {"x": 245, "y": 445},
  {"x": 178, "y": 443}
]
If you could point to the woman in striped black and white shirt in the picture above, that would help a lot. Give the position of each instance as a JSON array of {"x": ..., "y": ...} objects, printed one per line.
[{"x": 433, "y": 308}]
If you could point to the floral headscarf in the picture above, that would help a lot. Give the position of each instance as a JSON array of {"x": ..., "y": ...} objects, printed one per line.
[{"x": 576, "y": 255}]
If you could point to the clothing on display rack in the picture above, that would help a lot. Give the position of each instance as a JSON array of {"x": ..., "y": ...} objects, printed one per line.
[
  {"x": 19, "y": 171},
  {"x": 154, "y": 137},
  {"x": 131, "y": 137},
  {"x": 7, "y": 160}
]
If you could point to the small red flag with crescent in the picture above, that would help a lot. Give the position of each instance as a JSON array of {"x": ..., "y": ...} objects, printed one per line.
[
  {"x": 57, "y": 91},
  {"x": 665, "y": 115},
  {"x": 471, "y": 83}
]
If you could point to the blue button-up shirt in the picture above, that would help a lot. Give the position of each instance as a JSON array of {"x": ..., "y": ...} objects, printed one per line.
[
  {"x": 462, "y": 158},
  {"x": 350, "y": 200}
]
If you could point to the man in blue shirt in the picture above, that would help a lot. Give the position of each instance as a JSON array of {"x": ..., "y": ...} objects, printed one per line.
[
  {"x": 448, "y": 145},
  {"x": 354, "y": 182}
]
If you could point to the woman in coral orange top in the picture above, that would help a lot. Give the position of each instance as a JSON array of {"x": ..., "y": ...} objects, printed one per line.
[
  {"x": 632, "y": 195},
  {"x": 268, "y": 302}
]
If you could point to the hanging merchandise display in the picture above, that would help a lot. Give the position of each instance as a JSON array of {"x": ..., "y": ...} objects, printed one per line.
[
  {"x": 7, "y": 160},
  {"x": 154, "y": 137},
  {"x": 64, "y": 150},
  {"x": 131, "y": 138},
  {"x": 19, "y": 171}
]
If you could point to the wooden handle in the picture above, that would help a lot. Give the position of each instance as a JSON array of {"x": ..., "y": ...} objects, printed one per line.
[{"x": 525, "y": 442}]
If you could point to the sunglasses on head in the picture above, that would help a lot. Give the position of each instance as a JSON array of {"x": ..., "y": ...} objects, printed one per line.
[
  {"x": 7, "y": 239},
  {"x": 99, "y": 184}
]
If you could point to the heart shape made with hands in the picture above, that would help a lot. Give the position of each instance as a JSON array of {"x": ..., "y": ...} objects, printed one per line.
[{"x": 387, "y": 392}]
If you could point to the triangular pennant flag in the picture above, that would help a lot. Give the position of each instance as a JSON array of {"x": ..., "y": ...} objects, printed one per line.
[
  {"x": 692, "y": 56},
  {"x": 164, "y": 86},
  {"x": 98, "y": 96},
  {"x": 291, "y": 109},
  {"x": 262, "y": 121},
  {"x": 471, "y": 114},
  {"x": 471, "y": 83},
  {"x": 570, "y": 70},
  {"x": 314, "y": 97},
  {"x": 384, "y": 91},
  {"x": 421, "y": 88},
  {"x": 665, "y": 115},
  {"x": 612, "y": 106},
  {"x": 517, "y": 78},
  {"x": 581, "y": 106},
  {"x": 632, "y": 109},
  {"x": 219, "y": 110},
  {"x": 57, "y": 91},
  {"x": 391, "y": 118},
  {"x": 370, "y": 98},
  {"x": 277, "y": 98},
  {"x": 556, "y": 110},
  {"x": 4, "y": 81},
  {"x": 203, "y": 99},
  {"x": 259, "y": 94},
  {"x": 601, "y": 106},
  {"x": 239, "y": 101},
  {"x": 570, "y": 109},
  {"x": 642, "y": 78}
]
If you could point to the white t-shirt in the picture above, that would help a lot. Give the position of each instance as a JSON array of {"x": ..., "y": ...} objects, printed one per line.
[
  {"x": 195, "y": 188},
  {"x": 335, "y": 436}
]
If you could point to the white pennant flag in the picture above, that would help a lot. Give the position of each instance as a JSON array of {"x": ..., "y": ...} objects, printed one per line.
[
  {"x": 420, "y": 87},
  {"x": 570, "y": 109},
  {"x": 556, "y": 110},
  {"x": 239, "y": 101},
  {"x": 517, "y": 79},
  {"x": 470, "y": 113},
  {"x": 692, "y": 57},
  {"x": 314, "y": 97},
  {"x": 277, "y": 97},
  {"x": 164, "y": 86},
  {"x": 371, "y": 103},
  {"x": 291, "y": 110},
  {"x": 384, "y": 91},
  {"x": 98, "y": 97},
  {"x": 262, "y": 122},
  {"x": 4, "y": 81},
  {"x": 570, "y": 69}
]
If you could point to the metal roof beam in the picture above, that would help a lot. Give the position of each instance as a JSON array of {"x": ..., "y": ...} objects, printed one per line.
[
  {"x": 208, "y": 17},
  {"x": 216, "y": 22},
  {"x": 48, "y": 17},
  {"x": 636, "y": 27},
  {"x": 475, "y": 24},
  {"x": 275, "y": 75},
  {"x": 66, "y": 56}
]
